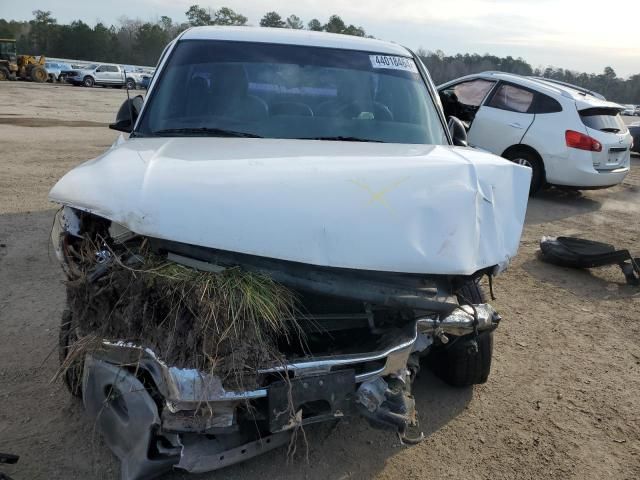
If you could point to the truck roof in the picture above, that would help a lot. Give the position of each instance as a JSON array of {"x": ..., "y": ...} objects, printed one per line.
[{"x": 286, "y": 36}]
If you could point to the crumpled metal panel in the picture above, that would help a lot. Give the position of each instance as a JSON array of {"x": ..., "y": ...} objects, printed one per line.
[{"x": 368, "y": 206}]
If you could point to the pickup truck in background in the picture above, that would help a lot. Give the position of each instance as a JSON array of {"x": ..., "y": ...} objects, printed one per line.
[{"x": 104, "y": 74}]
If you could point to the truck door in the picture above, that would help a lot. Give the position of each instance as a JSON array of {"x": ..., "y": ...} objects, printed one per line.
[{"x": 102, "y": 74}]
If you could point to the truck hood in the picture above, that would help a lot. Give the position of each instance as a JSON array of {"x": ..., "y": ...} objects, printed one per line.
[{"x": 385, "y": 207}]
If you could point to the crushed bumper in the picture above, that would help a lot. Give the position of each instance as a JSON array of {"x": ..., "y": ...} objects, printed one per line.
[{"x": 155, "y": 417}]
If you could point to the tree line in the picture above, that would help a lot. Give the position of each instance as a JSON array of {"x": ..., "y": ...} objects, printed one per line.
[
  {"x": 133, "y": 41},
  {"x": 444, "y": 68}
]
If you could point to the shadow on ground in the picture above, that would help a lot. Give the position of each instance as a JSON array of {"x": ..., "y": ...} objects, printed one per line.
[
  {"x": 556, "y": 204},
  {"x": 591, "y": 284}
]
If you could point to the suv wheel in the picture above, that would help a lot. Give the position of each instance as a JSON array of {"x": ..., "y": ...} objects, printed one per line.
[
  {"x": 131, "y": 84},
  {"x": 465, "y": 361},
  {"x": 88, "y": 81},
  {"x": 534, "y": 162}
]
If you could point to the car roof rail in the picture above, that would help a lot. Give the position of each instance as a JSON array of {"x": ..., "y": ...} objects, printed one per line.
[{"x": 585, "y": 91}]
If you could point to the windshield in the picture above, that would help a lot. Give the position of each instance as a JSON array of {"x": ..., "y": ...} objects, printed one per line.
[
  {"x": 7, "y": 48},
  {"x": 220, "y": 88}
]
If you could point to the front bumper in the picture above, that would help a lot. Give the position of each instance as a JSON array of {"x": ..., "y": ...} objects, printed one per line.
[
  {"x": 155, "y": 417},
  {"x": 75, "y": 79}
]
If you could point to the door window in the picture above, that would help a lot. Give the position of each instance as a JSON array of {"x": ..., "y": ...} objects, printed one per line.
[
  {"x": 512, "y": 98},
  {"x": 473, "y": 92}
]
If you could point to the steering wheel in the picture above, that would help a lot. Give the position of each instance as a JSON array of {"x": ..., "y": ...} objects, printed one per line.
[{"x": 380, "y": 111}]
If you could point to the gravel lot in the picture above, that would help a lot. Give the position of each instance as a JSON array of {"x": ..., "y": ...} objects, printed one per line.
[{"x": 562, "y": 400}]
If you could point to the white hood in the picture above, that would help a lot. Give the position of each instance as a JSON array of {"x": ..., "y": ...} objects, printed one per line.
[{"x": 373, "y": 206}]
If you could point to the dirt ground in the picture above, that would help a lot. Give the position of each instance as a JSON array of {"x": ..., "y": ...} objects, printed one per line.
[{"x": 562, "y": 400}]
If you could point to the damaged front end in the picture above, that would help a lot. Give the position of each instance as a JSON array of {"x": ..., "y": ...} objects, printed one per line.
[{"x": 170, "y": 391}]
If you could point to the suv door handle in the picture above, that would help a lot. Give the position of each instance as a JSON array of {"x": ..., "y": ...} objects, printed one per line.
[{"x": 516, "y": 125}]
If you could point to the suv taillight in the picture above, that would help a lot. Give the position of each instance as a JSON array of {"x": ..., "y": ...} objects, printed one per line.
[{"x": 582, "y": 142}]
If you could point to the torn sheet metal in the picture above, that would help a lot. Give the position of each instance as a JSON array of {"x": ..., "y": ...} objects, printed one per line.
[{"x": 385, "y": 207}]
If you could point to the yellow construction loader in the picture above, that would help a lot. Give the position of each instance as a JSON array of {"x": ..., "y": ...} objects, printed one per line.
[{"x": 25, "y": 67}]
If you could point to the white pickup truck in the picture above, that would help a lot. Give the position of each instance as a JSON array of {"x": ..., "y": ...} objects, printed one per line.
[
  {"x": 318, "y": 167},
  {"x": 104, "y": 74}
]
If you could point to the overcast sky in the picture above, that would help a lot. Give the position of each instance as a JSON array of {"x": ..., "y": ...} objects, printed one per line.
[{"x": 584, "y": 35}]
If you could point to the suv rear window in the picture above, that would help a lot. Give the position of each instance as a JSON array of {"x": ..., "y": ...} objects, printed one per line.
[
  {"x": 603, "y": 119},
  {"x": 545, "y": 104}
]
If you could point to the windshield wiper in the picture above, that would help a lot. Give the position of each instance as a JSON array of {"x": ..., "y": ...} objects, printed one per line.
[
  {"x": 344, "y": 139},
  {"x": 610, "y": 129},
  {"x": 202, "y": 132}
]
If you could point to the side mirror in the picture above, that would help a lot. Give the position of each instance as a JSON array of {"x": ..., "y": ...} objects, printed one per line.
[
  {"x": 127, "y": 115},
  {"x": 458, "y": 132}
]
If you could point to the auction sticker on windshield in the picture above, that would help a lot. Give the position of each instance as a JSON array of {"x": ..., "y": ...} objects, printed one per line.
[{"x": 394, "y": 63}]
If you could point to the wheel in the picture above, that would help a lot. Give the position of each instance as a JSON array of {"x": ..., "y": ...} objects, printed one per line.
[
  {"x": 131, "y": 84},
  {"x": 464, "y": 362},
  {"x": 88, "y": 81},
  {"x": 39, "y": 74},
  {"x": 67, "y": 335},
  {"x": 471, "y": 292},
  {"x": 4, "y": 73},
  {"x": 534, "y": 162}
]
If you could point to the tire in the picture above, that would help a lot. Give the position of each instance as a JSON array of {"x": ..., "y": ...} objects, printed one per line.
[
  {"x": 67, "y": 335},
  {"x": 39, "y": 74},
  {"x": 471, "y": 292},
  {"x": 460, "y": 363},
  {"x": 4, "y": 73},
  {"x": 534, "y": 162},
  {"x": 88, "y": 81},
  {"x": 131, "y": 84}
]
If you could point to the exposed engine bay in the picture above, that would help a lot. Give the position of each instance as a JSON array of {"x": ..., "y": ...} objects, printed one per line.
[{"x": 195, "y": 358}]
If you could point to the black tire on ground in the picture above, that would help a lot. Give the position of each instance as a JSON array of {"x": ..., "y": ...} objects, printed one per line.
[
  {"x": 72, "y": 377},
  {"x": 4, "y": 73},
  {"x": 534, "y": 162},
  {"x": 460, "y": 363},
  {"x": 39, "y": 74},
  {"x": 88, "y": 81},
  {"x": 131, "y": 84}
]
